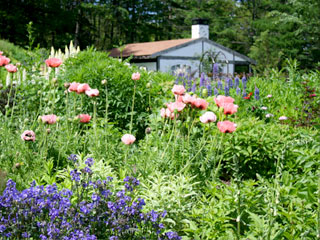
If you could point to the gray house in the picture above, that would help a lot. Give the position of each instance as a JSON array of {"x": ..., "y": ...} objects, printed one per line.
[{"x": 191, "y": 54}]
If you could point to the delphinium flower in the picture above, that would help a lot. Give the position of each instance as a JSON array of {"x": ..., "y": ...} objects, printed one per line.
[
  {"x": 216, "y": 92},
  {"x": 226, "y": 90},
  {"x": 256, "y": 93},
  {"x": 194, "y": 87},
  {"x": 189, "y": 83},
  {"x": 209, "y": 89},
  {"x": 215, "y": 69},
  {"x": 244, "y": 82},
  {"x": 202, "y": 80},
  {"x": 230, "y": 83}
]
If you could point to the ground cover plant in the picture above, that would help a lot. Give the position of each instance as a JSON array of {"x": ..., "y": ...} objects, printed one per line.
[{"x": 221, "y": 158}]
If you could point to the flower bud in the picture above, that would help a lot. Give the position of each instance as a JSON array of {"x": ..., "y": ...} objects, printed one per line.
[
  {"x": 18, "y": 165},
  {"x": 18, "y": 64},
  {"x": 205, "y": 92},
  {"x": 48, "y": 130},
  {"x": 148, "y": 85},
  {"x": 26, "y": 120},
  {"x": 104, "y": 82},
  {"x": 54, "y": 80},
  {"x": 66, "y": 85},
  {"x": 148, "y": 130}
]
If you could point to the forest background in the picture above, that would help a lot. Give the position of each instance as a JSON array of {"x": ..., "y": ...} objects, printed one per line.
[{"x": 268, "y": 31}]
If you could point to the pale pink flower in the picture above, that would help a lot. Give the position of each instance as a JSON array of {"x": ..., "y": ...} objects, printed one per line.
[
  {"x": 188, "y": 99},
  {"x": 73, "y": 87},
  {"x": 128, "y": 139},
  {"x": 166, "y": 113},
  {"x": 179, "y": 106},
  {"x": 226, "y": 126},
  {"x": 282, "y": 118},
  {"x": 4, "y": 60},
  {"x": 220, "y": 100},
  {"x": 178, "y": 89},
  {"x": 28, "y": 135},
  {"x": 83, "y": 87},
  {"x": 84, "y": 118},
  {"x": 208, "y": 117},
  {"x": 11, "y": 68},
  {"x": 269, "y": 96},
  {"x": 53, "y": 62},
  {"x": 135, "y": 76},
  {"x": 200, "y": 103},
  {"x": 1, "y": 53},
  {"x": 50, "y": 119},
  {"x": 268, "y": 115},
  {"x": 263, "y": 108},
  {"x": 92, "y": 92},
  {"x": 229, "y": 108}
]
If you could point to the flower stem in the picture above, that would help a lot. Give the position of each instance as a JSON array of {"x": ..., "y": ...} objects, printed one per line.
[{"x": 134, "y": 93}]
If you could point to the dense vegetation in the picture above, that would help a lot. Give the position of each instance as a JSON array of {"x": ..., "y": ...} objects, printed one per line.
[
  {"x": 269, "y": 31},
  {"x": 258, "y": 180}
]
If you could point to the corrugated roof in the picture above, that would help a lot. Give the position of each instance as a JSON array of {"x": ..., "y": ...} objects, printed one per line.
[{"x": 147, "y": 48}]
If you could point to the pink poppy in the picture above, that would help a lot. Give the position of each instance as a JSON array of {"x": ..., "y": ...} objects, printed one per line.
[
  {"x": 4, "y": 61},
  {"x": 28, "y": 135},
  {"x": 220, "y": 100},
  {"x": 188, "y": 99},
  {"x": 11, "y": 68},
  {"x": 200, "y": 103},
  {"x": 226, "y": 126},
  {"x": 208, "y": 117},
  {"x": 178, "y": 89},
  {"x": 282, "y": 118},
  {"x": 135, "y": 76},
  {"x": 128, "y": 139},
  {"x": 166, "y": 113},
  {"x": 83, "y": 87},
  {"x": 53, "y": 62},
  {"x": 176, "y": 105},
  {"x": 73, "y": 87},
  {"x": 84, "y": 118},
  {"x": 229, "y": 108},
  {"x": 50, "y": 119},
  {"x": 92, "y": 92}
]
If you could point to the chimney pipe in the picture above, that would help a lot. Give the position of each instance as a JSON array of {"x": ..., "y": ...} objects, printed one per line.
[{"x": 200, "y": 28}]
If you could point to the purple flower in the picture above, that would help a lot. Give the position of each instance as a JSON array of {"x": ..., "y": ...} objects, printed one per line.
[
  {"x": 202, "y": 80},
  {"x": 216, "y": 92},
  {"x": 215, "y": 68},
  {"x": 238, "y": 91},
  {"x": 236, "y": 81},
  {"x": 73, "y": 157},
  {"x": 256, "y": 93},
  {"x": 226, "y": 90},
  {"x": 219, "y": 84},
  {"x": 89, "y": 162}
]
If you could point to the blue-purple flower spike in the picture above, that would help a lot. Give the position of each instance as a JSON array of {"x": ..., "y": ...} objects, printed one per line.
[
  {"x": 238, "y": 91},
  {"x": 244, "y": 82},
  {"x": 256, "y": 93},
  {"x": 219, "y": 84},
  {"x": 226, "y": 90},
  {"x": 216, "y": 92},
  {"x": 202, "y": 80},
  {"x": 215, "y": 69},
  {"x": 209, "y": 89},
  {"x": 194, "y": 87},
  {"x": 236, "y": 81},
  {"x": 230, "y": 83}
]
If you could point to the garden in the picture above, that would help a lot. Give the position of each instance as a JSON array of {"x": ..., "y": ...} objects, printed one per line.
[{"x": 93, "y": 147}]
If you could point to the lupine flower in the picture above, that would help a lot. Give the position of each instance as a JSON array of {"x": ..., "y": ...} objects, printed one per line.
[
  {"x": 226, "y": 90},
  {"x": 238, "y": 91},
  {"x": 282, "y": 118},
  {"x": 236, "y": 81},
  {"x": 226, "y": 126},
  {"x": 49, "y": 119},
  {"x": 178, "y": 90},
  {"x": 28, "y": 135},
  {"x": 53, "y": 62},
  {"x": 202, "y": 80},
  {"x": 209, "y": 90},
  {"x": 11, "y": 68},
  {"x": 216, "y": 92},
  {"x": 244, "y": 82},
  {"x": 256, "y": 93},
  {"x": 135, "y": 76},
  {"x": 92, "y": 92},
  {"x": 194, "y": 86},
  {"x": 219, "y": 84},
  {"x": 230, "y": 83},
  {"x": 215, "y": 68},
  {"x": 128, "y": 139},
  {"x": 208, "y": 117},
  {"x": 189, "y": 83},
  {"x": 89, "y": 162},
  {"x": 84, "y": 118}
]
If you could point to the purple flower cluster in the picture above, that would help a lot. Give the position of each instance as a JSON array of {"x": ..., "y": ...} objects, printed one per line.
[{"x": 90, "y": 210}]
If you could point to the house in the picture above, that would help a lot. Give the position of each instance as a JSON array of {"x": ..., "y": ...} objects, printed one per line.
[{"x": 196, "y": 54}]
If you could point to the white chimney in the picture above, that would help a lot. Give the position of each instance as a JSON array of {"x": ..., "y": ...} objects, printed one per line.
[{"x": 200, "y": 28}]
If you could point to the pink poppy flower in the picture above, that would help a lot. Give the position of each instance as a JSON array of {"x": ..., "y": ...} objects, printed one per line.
[
  {"x": 220, "y": 100},
  {"x": 128, "y": 139},
  {"x": 135, "y": 76},
  {"x": 4, "y": 61},
  {"x": 166, "y": 113},
  {"x": 83, "y": 87},
  {"x": 49, "y": 119},
  {"x": 53, "y": 62},
  {"x": 178, "y": 89},
  {"x": 208, "y": 117},
  {"x": 92, "y": 92},
  {"x": 73, "y": 87},
  {"x": 200, "y": 103},
  {"x": 176, "y": 105},
  {"x": 188, "y": 99},
  {"x": 229, "y": 108},
  {"x": 11, "y": 68},
  {"x": 28, "y": 135},
  {"x": 84, "y": 118},
  {"x": 226, "y": 126}
]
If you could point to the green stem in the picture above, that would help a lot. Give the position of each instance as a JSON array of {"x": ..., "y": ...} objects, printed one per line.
[
  {"x": 134, "y": 93},
  {"x": 168, "y": 143},
  {"x": 319, "y": 205},
  {"x": 202, "y": 142},
  {"x": 107, "y": 105},
  {"x": 220, "y": 160},
  {"x": 95, "y": 123}
]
